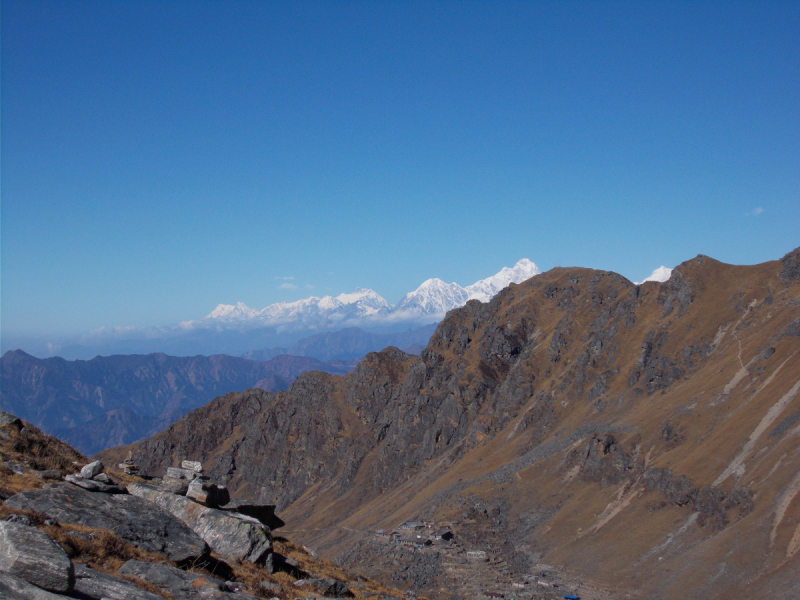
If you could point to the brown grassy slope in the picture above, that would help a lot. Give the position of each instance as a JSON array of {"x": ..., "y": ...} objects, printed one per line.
[{"x": 643, "y": 436}]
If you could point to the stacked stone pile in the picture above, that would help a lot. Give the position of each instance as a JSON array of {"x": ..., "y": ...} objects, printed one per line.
[{"x": 128, "y": 466}]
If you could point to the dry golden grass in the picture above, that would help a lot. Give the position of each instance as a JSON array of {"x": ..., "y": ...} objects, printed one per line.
[{"x": 38, "y": 450}]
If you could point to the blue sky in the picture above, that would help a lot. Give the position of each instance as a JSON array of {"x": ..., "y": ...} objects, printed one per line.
[{"x": 159, "y": 158}]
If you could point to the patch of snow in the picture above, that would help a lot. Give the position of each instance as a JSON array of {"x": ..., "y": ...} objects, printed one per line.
[{"x": 660, "y": 275}]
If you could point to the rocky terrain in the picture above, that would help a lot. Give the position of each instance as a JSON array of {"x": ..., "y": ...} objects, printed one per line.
[
  {"x": 638, "y": 440},
  {"x": 113, "y": 400},
  {"x": 69, "y": 529}
]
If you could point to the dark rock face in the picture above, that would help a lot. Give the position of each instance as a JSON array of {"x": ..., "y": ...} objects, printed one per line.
[
  {"x": 181, "y": 585},
  {"x": 677, "y": 291},
  {"x": 790, "y": 264},
  {"x": 31, "y": 555},
  {"x": 97, "y": 585},
  {"x": 130, "y": 518},
  {"x": 657, "y": 370}
]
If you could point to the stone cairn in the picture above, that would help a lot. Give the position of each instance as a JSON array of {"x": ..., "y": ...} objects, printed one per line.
[
  {"x": 128, "y": 466},
  {"x": 190, "y": 481}
]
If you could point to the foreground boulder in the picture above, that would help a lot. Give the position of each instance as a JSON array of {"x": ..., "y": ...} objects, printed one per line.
[
  {"x": 181, "y": 585},
  {"x": 228, "y": 534},
  {"x": 16, "y": 588},
  {"x": 128, "y": 517},
  {"x": 31, "y": 555},
  {"x": 98, "y": 585}
]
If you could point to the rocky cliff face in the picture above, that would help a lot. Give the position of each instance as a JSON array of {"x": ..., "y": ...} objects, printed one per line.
[{"x": 659, "y": 420}]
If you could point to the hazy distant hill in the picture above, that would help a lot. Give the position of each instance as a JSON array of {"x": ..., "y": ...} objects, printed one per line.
[
  {"x": 644, "y": 437},
  {"x": 112, "y": 400},
  {"x": 349, "y": 343}
]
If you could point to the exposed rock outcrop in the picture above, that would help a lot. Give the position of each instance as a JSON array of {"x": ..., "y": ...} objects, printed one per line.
[
  {"x": 228, "y": 534},
  {"x": 31, "y": 555},
  {"x": 133, "y": 519}
]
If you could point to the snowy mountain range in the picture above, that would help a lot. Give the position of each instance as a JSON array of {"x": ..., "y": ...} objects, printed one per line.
[
  {"x": 428, "y": 303},
  {"x": 235, "y": 329}
]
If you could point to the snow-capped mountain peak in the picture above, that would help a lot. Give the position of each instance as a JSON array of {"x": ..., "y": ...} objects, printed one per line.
[
  {"x": 430, "y": 301},
  {"x": 485, "y": 289},
  {"x": 661, "y": 274},
  {"x": 229, "y": 312},
  {"x": 369, "y": 301},
  {"x": 433, "y": 296}
]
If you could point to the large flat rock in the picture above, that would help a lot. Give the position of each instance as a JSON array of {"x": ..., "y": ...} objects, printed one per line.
[
  {"x": 181, "y": 585},
  {"x": 96, "y": 486},
  {"x": 102, "y": 586},
  {"x": 228, "y": 534},
  {"x": 30, "y": 554},
  {"x": 131, "y": 518}
]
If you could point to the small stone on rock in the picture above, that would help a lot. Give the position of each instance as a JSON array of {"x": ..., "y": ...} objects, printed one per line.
[{"x": 92, "y": 469}]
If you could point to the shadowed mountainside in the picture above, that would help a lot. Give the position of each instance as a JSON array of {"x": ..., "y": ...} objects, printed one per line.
[
  {"x": 644, "y": 437},
  {"x": 113, "y": 400}
]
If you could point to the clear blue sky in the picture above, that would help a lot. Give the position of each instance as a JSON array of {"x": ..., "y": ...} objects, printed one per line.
[{"x": 159, "y": 158}]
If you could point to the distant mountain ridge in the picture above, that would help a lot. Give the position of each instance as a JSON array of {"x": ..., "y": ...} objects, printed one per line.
[{"x": 115, "y": 400}]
